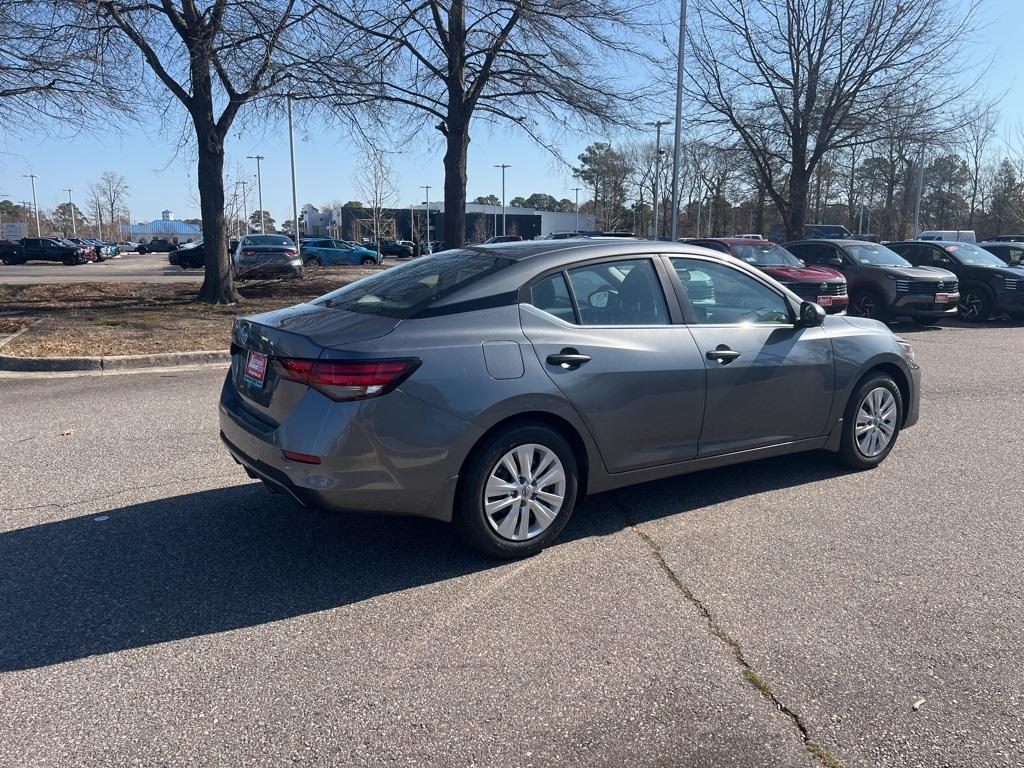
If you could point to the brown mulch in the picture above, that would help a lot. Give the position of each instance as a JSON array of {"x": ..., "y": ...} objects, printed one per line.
[{"x": 97, "y": 319}]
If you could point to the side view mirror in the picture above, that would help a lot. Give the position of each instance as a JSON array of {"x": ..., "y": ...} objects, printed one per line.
[
  {"x": 835, "y": 262},
  {"x": 811, "y": 315}
]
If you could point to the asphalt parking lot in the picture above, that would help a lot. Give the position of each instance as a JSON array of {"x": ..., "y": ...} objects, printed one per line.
[
  {"x": 157, "y": 607},
  {"x": 128, "y": 267}
]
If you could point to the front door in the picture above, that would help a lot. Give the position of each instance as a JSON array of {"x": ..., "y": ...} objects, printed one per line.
[
  {"x": 603, "y": 334},
  {"x": 767, "y": 381}
]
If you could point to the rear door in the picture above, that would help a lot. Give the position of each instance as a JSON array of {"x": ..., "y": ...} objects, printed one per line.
[
  {"x": 604, "y": 334},
  {"x": 767, "y": 381}
]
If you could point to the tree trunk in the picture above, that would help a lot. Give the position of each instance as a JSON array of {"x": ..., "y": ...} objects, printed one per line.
[
  {"x": 796, "y": 216},
  {"x": 455, "y": 179},
  {"x": 218, "y": 283}
]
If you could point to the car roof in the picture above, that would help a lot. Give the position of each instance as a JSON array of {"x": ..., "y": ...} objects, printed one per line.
[
  {"x": 733, "y": 240},
  {"x": 834, "y": 241}
]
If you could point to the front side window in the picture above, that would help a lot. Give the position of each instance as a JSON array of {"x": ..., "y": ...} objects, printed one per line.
[
  {"x": 721, "y": 295},
  {"x": 625, "y": 292}
]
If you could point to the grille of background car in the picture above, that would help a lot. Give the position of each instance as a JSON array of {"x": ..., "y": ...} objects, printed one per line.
[
  {"x": 812, "y": 290},
  {"x": 907, "y": 285}
]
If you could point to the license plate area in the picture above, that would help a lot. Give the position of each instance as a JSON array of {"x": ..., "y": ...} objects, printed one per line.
[
  {"x": 941, "y": 298},
  {"x": 825, "y": 301},
  {"x": 255, "y": 372}
]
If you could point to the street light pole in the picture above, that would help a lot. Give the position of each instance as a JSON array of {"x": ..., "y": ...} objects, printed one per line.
[
  {"x": 577, "y": 191},
  {"x": 291, "y": 148},
  {"x": 259, "y": 187},
  {"x": 657, "y": 168},
  {"x": 503, "y": 166},
  {"x": 430, "y": 245},
  {"x": 245, "y": 206},
  {"x": 677, "y": 149},
  {"x": 74, "y": 224},
  {"x": 35, "y": 205}
]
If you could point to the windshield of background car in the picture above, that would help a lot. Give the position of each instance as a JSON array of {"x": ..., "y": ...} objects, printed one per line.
[
  {"x": 876, "y": 255},
  {"x": 403, "y": 291},
  {"x": 966, "y": 253},
  {"x": 267, "y": 240},
  {"x": 765, "y": 255}
]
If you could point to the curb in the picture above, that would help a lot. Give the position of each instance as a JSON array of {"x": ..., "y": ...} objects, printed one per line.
[{"x": 111, "y": 362}]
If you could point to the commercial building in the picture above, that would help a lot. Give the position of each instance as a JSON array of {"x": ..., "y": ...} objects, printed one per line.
[
  {"x": 166, "y": 227},
  {"x": 482, "y": 221}
]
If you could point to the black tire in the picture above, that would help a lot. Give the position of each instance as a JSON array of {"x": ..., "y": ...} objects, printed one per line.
[
  {"x": 100, "y": 259},
  {"x": 867, "y": 302},
  {"x": 10, "y": 261},
  {"x": 142, "y": 250},
  {"x": 850, "y": 452},
  {"x": 368, "y": 261},
  {"x": 975, "y": 305},
  {"x": 313, "y": 261},
  {"x": 470, "y": 519},
  {"x": 69, "y": 261}
]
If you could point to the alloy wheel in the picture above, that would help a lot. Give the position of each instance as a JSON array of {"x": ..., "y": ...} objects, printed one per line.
[
  {"x": 876, "y": 422},
  {"x": 524, "y": 492},
  {"x": 970, "y": 306},
  {"x": 866, "y": 307}
]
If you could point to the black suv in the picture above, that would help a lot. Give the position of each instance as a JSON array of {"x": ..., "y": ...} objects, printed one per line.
[
  {"x": 882, "y": 284},
  {"x": 157, "y": 245},
  {"x": 45, "y": 249},
  {"x": 1010, "y": 251},
  {"x": 987, "y": 284}
]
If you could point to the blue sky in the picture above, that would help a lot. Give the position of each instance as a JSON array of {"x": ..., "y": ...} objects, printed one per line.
[{"x": 159, "y": 178}]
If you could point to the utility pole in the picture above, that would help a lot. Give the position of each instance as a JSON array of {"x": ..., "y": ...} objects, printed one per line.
[
  {"x": 74, "y": 224},
  {"x": 430, "y": 245},
  {"x": 259, "y": 188},
  {"x": 291, "y": 148},
  {"x": 495, "y": 207},
  {"x": 35, "y": 205},
  {"x": 503, "y": 166},
  {"x": 577, "y": 191},
  {"x": 677, "y": 149},
  {"x": 657, "y": 168},
  {"x": 245, "y": 210},
  {"x": 917, "y": 203},
  {"x": 99, "y": 221}
]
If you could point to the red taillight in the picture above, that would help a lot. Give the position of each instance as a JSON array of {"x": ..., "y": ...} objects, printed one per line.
[
  {"x": 248, "y": 252},
  {"x": 346, "y": 379},
  {"x": 291, "y": 251}
]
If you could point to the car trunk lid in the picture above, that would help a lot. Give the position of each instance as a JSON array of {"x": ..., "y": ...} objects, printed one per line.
[{"x": 300, "y": 332}]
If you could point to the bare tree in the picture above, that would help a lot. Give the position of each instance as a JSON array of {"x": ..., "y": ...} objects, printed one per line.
[
  {"x": 52, "y": 70},
  {"x": 375, "y": 183},
  {"x": 977, "y": 136},
  {"x": 817, "y": 74},
  {"x": 215, "y": 58},
  {"x": 517, "y": 62},
  {"x": 110, "y": 194}
]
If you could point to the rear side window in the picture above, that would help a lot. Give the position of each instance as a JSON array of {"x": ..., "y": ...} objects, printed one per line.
[
  {"x": 552, "y": 295},
  {"x": 405, "y": 290},
  {"x": 619, "y": 293}
]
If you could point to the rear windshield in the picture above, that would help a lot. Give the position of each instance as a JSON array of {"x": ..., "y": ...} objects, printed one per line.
[
  {"x": 403, "y": 291},
  {"x": 266, "y": 240}
]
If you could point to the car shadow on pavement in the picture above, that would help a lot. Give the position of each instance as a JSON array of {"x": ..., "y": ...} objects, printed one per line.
[
  {"x": 201, "y": 563},
  {"x": 610, "y": 512}
]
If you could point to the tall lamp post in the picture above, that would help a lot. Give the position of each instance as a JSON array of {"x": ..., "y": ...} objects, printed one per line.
[
  {"x": 259, "y": 187},
  {"x": 503, "y": 166},
  {"x": 291, "y": 149},
  {"x": 657, "y": 168},
  {"x": 577, "y": 191},
  {"x": 430, "y": 245},
  {"x": 71, "y": 203},
  {"x": 677, "y": 149},
  {"x": 245, "y": 206},
  {"x": 35, "y": 205}
]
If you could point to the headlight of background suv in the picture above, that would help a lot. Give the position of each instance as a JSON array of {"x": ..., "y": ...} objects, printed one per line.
[{"x": 908, "y": 351}]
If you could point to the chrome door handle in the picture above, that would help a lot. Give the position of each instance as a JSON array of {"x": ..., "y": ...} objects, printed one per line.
[
  {"x": 722, "y": 354},
  {"x": 568, "y": 359}
]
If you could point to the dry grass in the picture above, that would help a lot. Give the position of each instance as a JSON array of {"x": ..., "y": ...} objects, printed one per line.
[{"x": 97, "y": 319}]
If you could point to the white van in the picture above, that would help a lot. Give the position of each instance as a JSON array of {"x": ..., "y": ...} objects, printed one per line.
[{"x": 953, "y": 235}]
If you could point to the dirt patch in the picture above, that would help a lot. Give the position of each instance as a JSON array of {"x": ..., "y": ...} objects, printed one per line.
[{"x": 96, "y": 319}]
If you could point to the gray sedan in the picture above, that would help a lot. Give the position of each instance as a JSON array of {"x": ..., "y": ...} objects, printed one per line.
[{"x": 495, "y": 386}]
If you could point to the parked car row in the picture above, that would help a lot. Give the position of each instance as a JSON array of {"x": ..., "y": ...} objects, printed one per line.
[{"x": 51, "y": 249}]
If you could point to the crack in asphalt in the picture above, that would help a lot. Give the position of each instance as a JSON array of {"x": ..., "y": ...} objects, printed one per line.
[
  {"x": 68, "y": 504},
  {"x": 749, "y": 673}
]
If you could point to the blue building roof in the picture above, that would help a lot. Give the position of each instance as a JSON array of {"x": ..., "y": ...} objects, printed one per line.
[{"x": 165, "y": 227}]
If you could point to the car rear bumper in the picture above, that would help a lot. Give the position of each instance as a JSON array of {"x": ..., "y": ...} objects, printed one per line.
[
  {"x": 391, "y": 455},
  {"x": 244, "y": 271}
]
